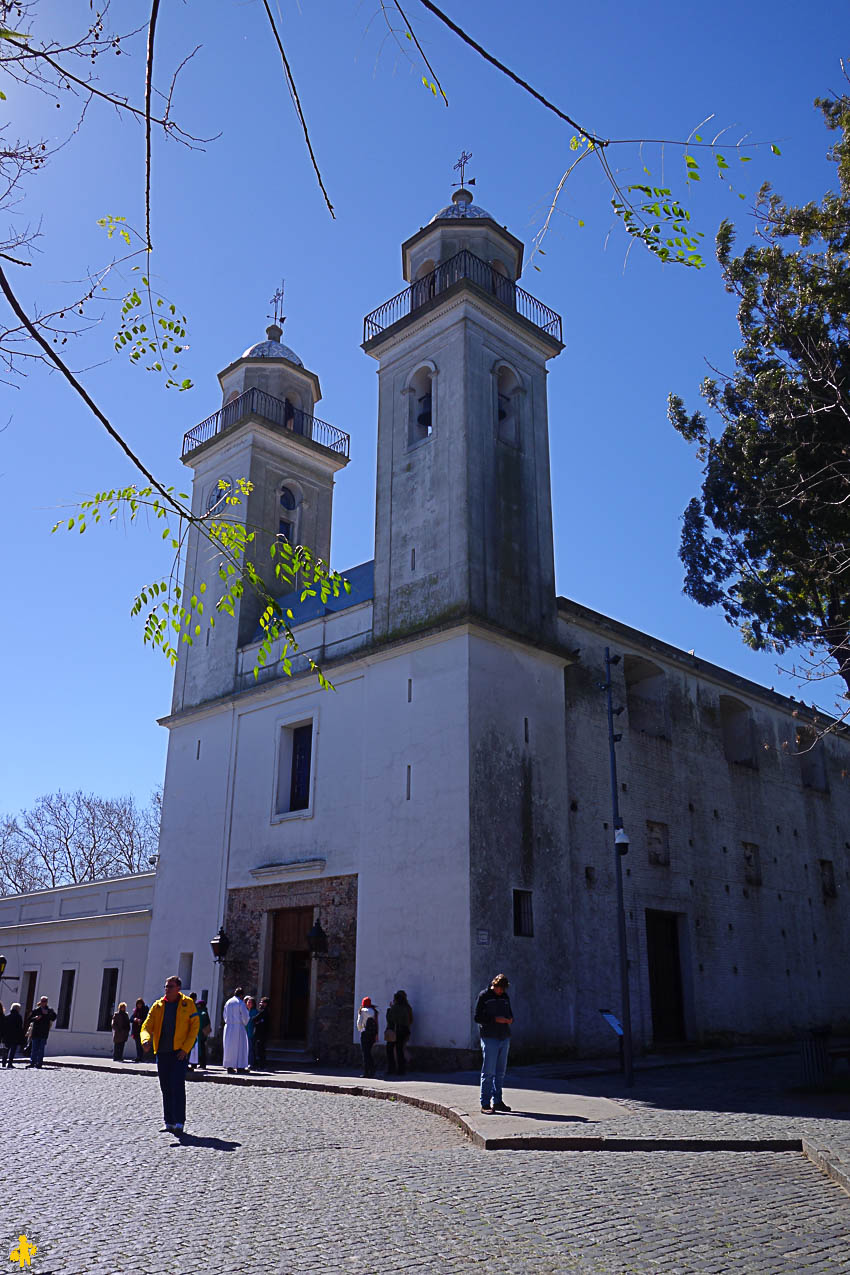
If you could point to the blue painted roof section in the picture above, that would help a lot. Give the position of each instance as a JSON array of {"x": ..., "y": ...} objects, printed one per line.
[{"x": 362, "y": 581}]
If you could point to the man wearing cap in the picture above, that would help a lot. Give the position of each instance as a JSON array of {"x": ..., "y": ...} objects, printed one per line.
[{"x": 494, "y": 1016}]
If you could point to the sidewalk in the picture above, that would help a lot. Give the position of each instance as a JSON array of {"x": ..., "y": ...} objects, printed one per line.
[{"x": 735, "y": 1100}]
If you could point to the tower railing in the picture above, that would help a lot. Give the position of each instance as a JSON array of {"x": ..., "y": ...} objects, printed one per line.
[
  {"x": 463, "y": 265},
  {"x": 279, "y": 411}
]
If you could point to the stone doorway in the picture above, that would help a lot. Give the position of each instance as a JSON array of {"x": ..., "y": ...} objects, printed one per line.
[
  {"x": 664, "y": 963},
  {"x": 311, "y": 1000},
  {"x": 289, "y": 977}
]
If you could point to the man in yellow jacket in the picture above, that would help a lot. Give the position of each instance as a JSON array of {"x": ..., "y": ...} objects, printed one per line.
[{"x": 171, "y": 1027}]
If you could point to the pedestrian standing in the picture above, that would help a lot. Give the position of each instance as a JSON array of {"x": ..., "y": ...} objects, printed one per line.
[
  {"x": 120, "y": 1031},
  {"x": 367, "y": 1025},
  {"x": 137, "y": 1018},
  {"x": 204, "y": 1029},
  {"x": 13, "y": 1033},
  {"x": 397, "y": 1033},
  {"x": 235, "y": 1054},
  {"x": 170, "y": 1029},
  {"x": 39, "y": 1021},
  {"x": 494, "y": 1016},
  {"x": 249, "y": 1027}
]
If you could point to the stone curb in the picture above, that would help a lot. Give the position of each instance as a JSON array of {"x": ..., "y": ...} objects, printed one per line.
[
  {"x": 836, "y": 1167},
  {"x": 517, "y": 1142}
]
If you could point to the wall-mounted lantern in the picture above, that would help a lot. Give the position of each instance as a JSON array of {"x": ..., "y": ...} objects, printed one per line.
[
  {"x": 317, "y": 940},
  {"x": 220, "y": 945}
]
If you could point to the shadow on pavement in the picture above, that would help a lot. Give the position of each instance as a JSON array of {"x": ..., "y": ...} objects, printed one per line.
[
  {"x": 550, "y": 1117},
  {"x": 213, "y": 1144}
]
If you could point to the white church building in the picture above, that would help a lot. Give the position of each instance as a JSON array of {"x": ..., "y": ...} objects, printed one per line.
[{"x": 444, "y": 812}]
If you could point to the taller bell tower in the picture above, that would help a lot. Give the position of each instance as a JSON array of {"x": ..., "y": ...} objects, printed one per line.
[{"x": 463, "y": 511}]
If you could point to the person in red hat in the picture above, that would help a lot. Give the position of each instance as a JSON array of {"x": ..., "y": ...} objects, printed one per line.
[{"x": 367, "y": 1025}]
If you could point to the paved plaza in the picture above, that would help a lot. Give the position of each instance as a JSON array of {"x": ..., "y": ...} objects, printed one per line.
[{"x": 284, "y": 1181}]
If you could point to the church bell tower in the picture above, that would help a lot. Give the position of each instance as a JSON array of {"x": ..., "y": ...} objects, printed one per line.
[
  {"x": 463, "y": 511},
  {"x": 265, "y": 432}
]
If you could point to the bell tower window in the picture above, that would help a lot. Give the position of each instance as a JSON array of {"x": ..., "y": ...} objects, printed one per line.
[
  {"x": 507, "y": 406},
  {"x": 288, "y": 515},
  {"x": 421, "y": 419}
]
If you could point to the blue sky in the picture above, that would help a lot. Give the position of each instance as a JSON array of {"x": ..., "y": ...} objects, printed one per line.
[{"x": 82, "y": 694}]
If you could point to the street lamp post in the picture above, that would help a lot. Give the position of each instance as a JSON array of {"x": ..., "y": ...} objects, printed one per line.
[{"x": 621, "y": 847}]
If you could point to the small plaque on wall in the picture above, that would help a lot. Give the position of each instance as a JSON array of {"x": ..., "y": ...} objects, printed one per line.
[{"x": 484, "y": 938}]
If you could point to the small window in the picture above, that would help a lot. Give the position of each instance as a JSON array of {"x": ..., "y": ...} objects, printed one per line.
[
  {"x": 736, "y": 722},
  {"x": 66, "y": 996},
  {"x": 184, "y": 969},
  {"x": 108, "y": 992},
  {"x": 523, "y": 915},
  {"x": 827, "y": 879},
  {"x": 295, "y": 768},
  {"x": 421, "y": 419},
  {"x": 752, "y": 863},
  {"x": 658, "y": 842}
]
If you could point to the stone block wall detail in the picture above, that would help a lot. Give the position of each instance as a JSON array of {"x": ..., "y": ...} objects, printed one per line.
[{"x": 335, "y": 901}]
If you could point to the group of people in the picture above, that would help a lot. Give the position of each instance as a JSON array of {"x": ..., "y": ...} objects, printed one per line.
[
  {"x": 175, "y": 1029},
  {"x": 246, "y": 1031},
  {"x": 399, "y": 1020},
  {"x": 28, "y": 1036}
]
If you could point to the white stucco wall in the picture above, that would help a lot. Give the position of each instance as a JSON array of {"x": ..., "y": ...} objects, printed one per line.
[{"x": 87, "y": 928}]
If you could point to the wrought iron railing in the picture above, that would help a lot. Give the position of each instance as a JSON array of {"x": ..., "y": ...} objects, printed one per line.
[
  {"x": 464, "y": 265},
  {"x": 279, "y": 411}
]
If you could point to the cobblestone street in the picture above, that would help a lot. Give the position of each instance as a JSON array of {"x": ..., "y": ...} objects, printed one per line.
[{"x": 284, "y": 1182}]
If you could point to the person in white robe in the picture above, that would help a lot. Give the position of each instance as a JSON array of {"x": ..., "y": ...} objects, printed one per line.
[{"x": 236, "y": 1017}]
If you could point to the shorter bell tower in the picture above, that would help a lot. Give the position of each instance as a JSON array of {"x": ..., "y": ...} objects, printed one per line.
[{"x": 267, "y": 433}]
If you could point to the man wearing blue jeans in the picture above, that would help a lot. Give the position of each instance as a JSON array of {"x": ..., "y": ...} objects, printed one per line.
[
  {"x": 171, "y": 1029},
  {"x": 494, "y": 1016}
]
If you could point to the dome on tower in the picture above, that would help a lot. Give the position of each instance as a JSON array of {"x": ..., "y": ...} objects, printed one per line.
[
  {"x": 272, "y": 348},
  {"x": 461, "y": 206}
]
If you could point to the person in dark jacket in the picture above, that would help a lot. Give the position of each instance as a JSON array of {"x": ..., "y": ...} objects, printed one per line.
[
  {"x": 494, "y": 1016},
  {"x": 399, "y": 1023},
  {"x": 120, "y": 1031},
  {"x": 138, "y": 1016},
  {"x": 262, "y": 1025},
  {"x": 13, "y": 1034},
  {"x": 204, "y": 1029},
  {"x": 40, "y": 1019}
]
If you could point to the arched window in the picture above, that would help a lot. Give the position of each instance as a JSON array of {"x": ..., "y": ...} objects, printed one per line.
[
  {"x": 502, "y": 284},
  {"x": 810, "y": 750},
  {"x": 508, "y": 390},
  {"x": 288, "y": 515},
  {"x": 421, "y": 410},
  {"x": 736, "y": 723},
  {"x": 423, "y": 285},
  {"x": 646, "y": 697},
  {"x": 220, "y": 489}
]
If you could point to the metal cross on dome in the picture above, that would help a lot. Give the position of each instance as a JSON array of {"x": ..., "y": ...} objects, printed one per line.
[
  {"x": 460, "y": 167},
  {"x": 277, "y": 302}
]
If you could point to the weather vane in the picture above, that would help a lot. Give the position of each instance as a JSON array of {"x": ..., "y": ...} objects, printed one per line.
[
  {"x": 460, "y": 167},
  {"x": 277, "y": 302}
]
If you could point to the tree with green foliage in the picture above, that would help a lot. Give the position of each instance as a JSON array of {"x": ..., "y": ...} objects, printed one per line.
[{"x": 768, "y": 538}]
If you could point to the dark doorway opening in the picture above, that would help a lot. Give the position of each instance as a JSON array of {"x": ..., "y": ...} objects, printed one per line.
[
  {"x": 665, "y": 977},
  {"x": 290, "y": 977}
]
